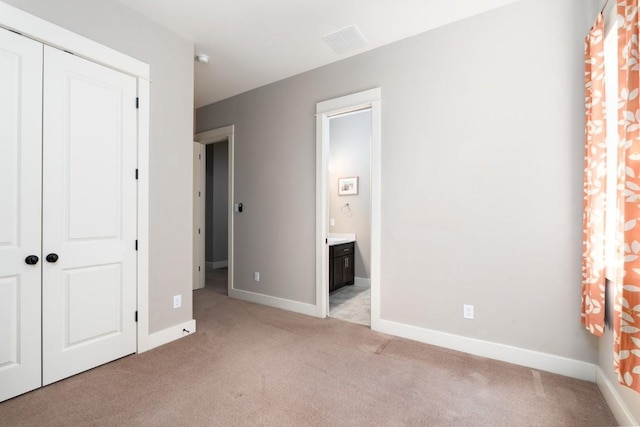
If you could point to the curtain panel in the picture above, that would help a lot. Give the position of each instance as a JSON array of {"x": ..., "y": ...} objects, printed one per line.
[
  {"x": 595, "y": 171},
  {"x": 627, "y": 300}
]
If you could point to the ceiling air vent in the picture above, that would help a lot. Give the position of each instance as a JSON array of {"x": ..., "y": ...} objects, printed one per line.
[{"x": 345, "y": 40}]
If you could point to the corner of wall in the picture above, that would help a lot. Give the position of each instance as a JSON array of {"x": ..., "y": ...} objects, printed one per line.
[
  {"x": 614, "y": 400},
  {"x": 172, "y": 333}
]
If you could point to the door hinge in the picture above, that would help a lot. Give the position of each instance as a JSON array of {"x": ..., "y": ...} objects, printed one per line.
[
  {"x": 198, "y": 231},
  {"x": 136, "y": 244},
  {"x": 198, "y": 268},
  {"x": 199, "y": 156},
  {"x": 136, "y": 173},
  {"x": 199, "y": 194},
  {"x": 326, "y": 241},
  {"x": 136, "y": 316},
  {"x": 137, "y": 102}
]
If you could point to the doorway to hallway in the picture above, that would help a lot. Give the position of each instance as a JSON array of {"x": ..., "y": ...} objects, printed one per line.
[{"x": 213, "y": 209}]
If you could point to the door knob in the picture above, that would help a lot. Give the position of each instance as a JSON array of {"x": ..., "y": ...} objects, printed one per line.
[
  {"x": 52, "y": 257},
  {"x": 31, "y": 260}
]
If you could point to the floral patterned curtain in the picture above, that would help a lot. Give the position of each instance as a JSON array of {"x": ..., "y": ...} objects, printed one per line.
[
  {"x": 593, "y": 242},
  {"x": 627, "y": 301}
]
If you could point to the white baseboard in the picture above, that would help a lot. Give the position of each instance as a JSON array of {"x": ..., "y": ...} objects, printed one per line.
[
  {"x": 217, "y": 264},
  {"x": 519, "y": 356},
  {"x": 613, "y": 399},
  {"x": 362, "y": 282},
  {"x": 284, "y": 304},
  {"x": 173, "y": 333}
]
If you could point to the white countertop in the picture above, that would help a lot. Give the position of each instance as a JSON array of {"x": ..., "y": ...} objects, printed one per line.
[{"x": 340, "y": 238}]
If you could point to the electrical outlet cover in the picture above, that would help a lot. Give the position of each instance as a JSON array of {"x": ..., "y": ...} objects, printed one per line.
[{"x": 468, "y": 311}]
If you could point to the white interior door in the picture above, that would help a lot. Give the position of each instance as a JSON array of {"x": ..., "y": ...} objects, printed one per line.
[
  {"x": 20, "y": 220},
  {"x": 199, "y": 264},
  {"x": 89, "y": 215}
]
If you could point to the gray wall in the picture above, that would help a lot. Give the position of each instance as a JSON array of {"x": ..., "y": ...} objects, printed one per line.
[
  {"x": 171, "y": 63},
  {"x": 350, "y": 154},
  {"x": 217, "y": 202},
  {"x": 482, "y": 159}
]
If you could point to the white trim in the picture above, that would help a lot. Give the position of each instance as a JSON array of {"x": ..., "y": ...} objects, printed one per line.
[
  {"x": 506, "y": 353},
  {"x": 226, "y": 133},
  {"x": 143, "y": 214},
  {"x": 324, "y": 110},
  {"x": 36, "y": 28},
  {"x": 281, "y": 303},
  {"x": 362, "y": 282},
  {"x": 348, "y": 103},
  {"x": 614, "y": 401},
  {"x": 322, "y": 212},
  {"x": 215, "y": 135},
  {"x": 217, "y": 264},
  {"x": 172, "y": 333},
  {"x": 376, "y": 207}
]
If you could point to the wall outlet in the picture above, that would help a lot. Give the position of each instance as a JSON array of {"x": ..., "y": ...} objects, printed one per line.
[
  {"x": 468, "y": 311},
  {"x": 332, "y": 222},
  {"x": 177, "y": 301},
  {"x": 256, "y": 276}
]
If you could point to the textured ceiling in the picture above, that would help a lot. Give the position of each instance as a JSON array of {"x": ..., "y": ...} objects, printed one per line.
[{"x": 255, "y": 42}]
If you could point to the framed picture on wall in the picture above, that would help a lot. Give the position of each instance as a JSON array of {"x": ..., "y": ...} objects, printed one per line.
[{"x": 348, "y": 186}]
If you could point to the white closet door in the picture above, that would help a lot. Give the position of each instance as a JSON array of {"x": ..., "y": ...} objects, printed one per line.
[
  {"x": 20, "y": 221},
  {"x": 89, "y": 215}
]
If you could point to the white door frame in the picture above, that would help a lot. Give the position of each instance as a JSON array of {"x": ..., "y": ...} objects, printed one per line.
[
  {"x": 324, "y": 111},
  {"x": 225, "y": 133},
  {"x": 50, "y": 34}
]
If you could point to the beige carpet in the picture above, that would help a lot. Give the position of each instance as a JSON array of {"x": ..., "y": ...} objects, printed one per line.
[{"x": 250, "y": 365}]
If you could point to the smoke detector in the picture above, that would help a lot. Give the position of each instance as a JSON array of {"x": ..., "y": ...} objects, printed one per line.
[
  {"x": 346, "y": 40},
  {"x": 202, "y": 58}
]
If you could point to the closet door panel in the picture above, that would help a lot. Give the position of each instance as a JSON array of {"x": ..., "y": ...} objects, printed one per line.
[
  {"x": 89, "y": 215},
  {"x": 20, "y": 220}
]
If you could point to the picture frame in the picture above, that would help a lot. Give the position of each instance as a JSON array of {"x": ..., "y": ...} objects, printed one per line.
[{"x": 348, "y": 186}]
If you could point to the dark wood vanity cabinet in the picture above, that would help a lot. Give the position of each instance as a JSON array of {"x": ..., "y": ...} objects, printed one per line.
[{"x": 341, "y": 258}]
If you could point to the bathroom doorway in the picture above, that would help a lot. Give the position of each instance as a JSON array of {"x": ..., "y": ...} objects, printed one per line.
[
  {"x": 350, "y": 216},
  {"x": 334, "y": 218}
]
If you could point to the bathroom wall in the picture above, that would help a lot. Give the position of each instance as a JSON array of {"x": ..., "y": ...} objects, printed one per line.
[
  {"x": 217, "y": 203},
  {"x": 350, "y": 140}
]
